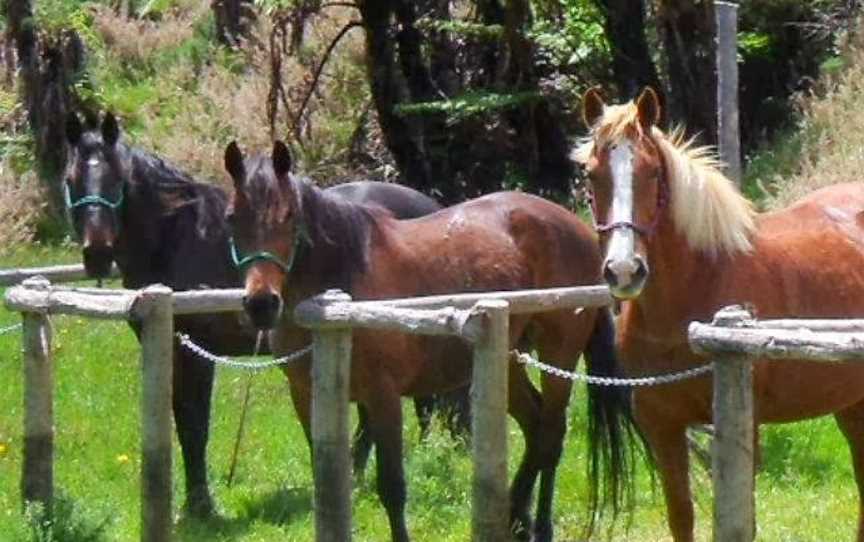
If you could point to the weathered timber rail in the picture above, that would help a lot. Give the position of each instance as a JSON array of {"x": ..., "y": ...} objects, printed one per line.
[
  {"x": 734, "y": 340},
  {"x": 36, "y": 299},
  {"x": 54, "y": 273}
]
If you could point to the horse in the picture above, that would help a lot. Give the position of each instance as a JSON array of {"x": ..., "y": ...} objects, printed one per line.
[
  {"x": 681, "y": 242},
  {"x": 300, "y": 240},
  {"x": 161, "y": 226}
]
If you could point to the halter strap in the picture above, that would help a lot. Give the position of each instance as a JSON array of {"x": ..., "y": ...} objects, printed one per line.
[
  {"x": 91, "y": 199},
  {"x": 262, "y": 255},
  {"x": 645, "y": 231}
]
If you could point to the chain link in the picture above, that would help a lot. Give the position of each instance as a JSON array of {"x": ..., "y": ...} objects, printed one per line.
[
  {"x": 527, "y": 359},
  {"x": 248, "y": 365},
  {"x": 8, "y": 329}
]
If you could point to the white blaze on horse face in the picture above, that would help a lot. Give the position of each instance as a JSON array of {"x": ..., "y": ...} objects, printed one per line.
[{"x": 620, "y": 255}]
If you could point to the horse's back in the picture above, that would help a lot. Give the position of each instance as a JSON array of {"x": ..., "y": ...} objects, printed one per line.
[
  {"x": 401, "y": 201},
  {"x": 505, "y": 240}
]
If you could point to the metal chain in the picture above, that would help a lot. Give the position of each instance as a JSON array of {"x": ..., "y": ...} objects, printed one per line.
[
  {"x": 248, "y": 365},
  {"x": 8, "y": 329},
  {"x": 527, "y": 359}
]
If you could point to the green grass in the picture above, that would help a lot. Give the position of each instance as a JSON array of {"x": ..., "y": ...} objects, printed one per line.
[{"x": 805, "y": 489}]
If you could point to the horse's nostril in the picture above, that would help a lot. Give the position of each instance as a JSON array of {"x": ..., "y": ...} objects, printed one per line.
[
  {"x": 609, "y": 276},
  {"x": 263, "y": 309},
  {"x": 641, "y": 270}
]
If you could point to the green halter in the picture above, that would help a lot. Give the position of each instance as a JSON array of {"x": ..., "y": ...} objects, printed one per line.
[
  {"x": 91, "y": 199},
  {"x": 242, "y": 261}
]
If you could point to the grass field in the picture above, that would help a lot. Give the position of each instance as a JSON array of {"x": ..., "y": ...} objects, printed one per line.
[{"x": 806, "y": 491}]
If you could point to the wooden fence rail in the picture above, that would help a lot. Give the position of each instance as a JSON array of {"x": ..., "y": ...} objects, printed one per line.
[
  {"x": 733, "y": 340},
  {"x": 479, "y": 318},
  {"x": 54, "y": 273},
  {"x": 36, "y": 299}
]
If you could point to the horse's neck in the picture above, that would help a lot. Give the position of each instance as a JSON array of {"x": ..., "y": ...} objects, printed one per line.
[
  {"x": 681, "y": 280},
  {"x": 336, "y": 250},
  {"x": 145, "y": 255}
]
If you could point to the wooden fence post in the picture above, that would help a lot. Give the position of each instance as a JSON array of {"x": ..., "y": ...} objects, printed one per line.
[
  {"x": 157, "y": 354},
  {"x": 732, "y": 466},
  {"x": 728, "y": 136},
  {"x": 331, "y": 374},
  {"x": 490, "y": 500},
  {"x": 37, "y": 476}
]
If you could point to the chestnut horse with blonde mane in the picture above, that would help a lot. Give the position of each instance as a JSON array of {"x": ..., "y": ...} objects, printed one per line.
[
  {"x": 680, "y": 243},
  {"x": 298, "y": 241}
]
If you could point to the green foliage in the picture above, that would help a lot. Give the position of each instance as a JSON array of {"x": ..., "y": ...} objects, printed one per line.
[
  {"x": 488, "y": 32},
  {"x": 474, "y": 103},
  {"x": 756, "y": 44},
  {"x": 581, "y": 40}
]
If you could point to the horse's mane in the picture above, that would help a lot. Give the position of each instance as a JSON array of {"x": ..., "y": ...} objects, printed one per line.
[
  {"x": 175, "y": 190},
  {"x": 706, "y": 206}
]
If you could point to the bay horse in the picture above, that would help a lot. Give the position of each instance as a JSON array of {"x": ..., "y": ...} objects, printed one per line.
[
  {"x": 161, "y": 226},
  {"x": 299, "y": 240},
  {"x": 681, "y": 242}
]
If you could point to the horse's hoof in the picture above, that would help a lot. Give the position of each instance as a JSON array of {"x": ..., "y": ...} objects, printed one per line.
[
  {"x": 521, "y": 529},
  {"x": 199, "y": 507},
  {"x": 543, "y": 533}
]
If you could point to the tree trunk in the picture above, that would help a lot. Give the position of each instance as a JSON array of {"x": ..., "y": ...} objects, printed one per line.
[
  {"x": 688, "y": 31},
  {"x": 467, "y": 156},
  {"x": 48, "y": 66},
  {"x": 633, "y": 68},
  {"x": 233, "y": 20}
]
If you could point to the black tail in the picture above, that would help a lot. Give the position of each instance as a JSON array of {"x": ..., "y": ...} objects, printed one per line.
[{"x": 611, "y": 430}]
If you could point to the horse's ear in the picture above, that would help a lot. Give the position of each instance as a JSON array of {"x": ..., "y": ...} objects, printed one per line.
[
  {"x": 592, "y": 106},
  {"x": 73, "y": 129},
  {"x": 110, "y": 129},
  {"x": 281, "y": 159},
  {"x": 234, "y": 163},
  {"x": 648, "y": 109}
]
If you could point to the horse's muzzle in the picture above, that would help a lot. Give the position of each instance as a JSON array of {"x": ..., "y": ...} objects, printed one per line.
[
  {"x": 625, "y": 278},
  {"x": 98, "y": 260},
  {"x": 264, "y": 309}
]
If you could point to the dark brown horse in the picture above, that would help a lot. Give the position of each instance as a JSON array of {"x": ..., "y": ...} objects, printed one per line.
[
  {"x": 681, "y": 243},
  {"x": 300, "y": 240},
  {"x": 160, "y": 226}
]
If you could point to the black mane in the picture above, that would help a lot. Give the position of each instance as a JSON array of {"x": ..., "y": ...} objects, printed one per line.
[{"x": 176, "y": 192}]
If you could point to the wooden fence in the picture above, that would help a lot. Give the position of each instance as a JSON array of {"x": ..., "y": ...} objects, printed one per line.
[
  {"x": 481, "y": 319},
  {"x": 54, "y": 273},
  {"x": 733, "y": 340}
]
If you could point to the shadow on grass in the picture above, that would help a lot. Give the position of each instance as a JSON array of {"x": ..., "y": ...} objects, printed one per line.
[
  {"x": 70, "y": 522},
  {"x": 278, "y": 507}
]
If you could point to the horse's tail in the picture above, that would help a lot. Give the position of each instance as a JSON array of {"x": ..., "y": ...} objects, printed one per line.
[{"x": 611, "y": 431}]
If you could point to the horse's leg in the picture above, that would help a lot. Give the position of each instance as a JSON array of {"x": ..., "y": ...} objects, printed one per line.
[
  {"x": 362, "y": 442},
  {"x": 459, "y": 416},
  {"x": 525, "y": 405},
  {"x": 424, "y": 408},
  {"x": 193, "y": 386},
  {"x": 851, "y": 422},
  {"x": 559, "y": 346},
  {"x": 385, "y": 421},
  {"x": 668, "y": 441}
]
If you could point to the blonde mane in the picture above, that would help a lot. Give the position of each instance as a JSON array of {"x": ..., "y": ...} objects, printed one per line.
[{"x": 707, "y": 208}]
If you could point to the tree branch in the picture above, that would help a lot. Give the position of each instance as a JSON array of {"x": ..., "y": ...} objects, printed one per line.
[{"x": 318, "y": 70}]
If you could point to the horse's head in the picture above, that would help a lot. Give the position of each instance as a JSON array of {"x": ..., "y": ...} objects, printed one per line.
[
  {"x": 94, "y": 187},
  {"x": 626, "y": 173},
  {"x": 266, "y": 217}
]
